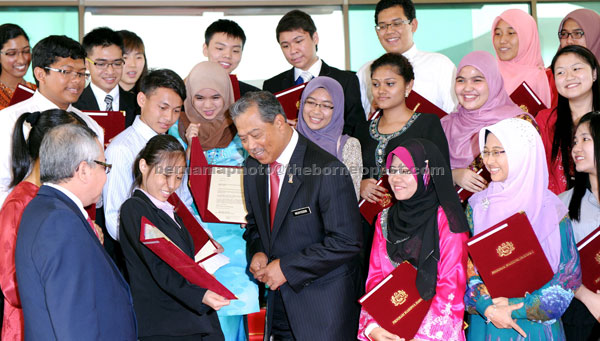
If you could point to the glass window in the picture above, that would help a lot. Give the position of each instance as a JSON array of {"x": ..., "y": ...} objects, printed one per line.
[
  {"x": 453, "y": 30},
  {"x": 56, "y": 20},
  {"x": 174, "y": 38},
  {"x": 549, "y": 17}
]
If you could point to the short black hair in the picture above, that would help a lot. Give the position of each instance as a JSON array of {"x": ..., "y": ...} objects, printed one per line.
[
  {"x": 8, "y": 32},
  {"x": 163, "y": 78},
  {"x": 49, "y": 49},
  {"x": 407, "y": 6},
  {"x": 399, "y": 64},
  {"x": 294, "y": 20},
  {"x": 229, "y": 27},
  {"x": 102, "y": 36}
]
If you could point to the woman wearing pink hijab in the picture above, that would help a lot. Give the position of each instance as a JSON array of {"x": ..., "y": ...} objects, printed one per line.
[
  {"x": 482, "y": 102},
  {"x": 517, "y": 44},
  {"x": 581, "y": 27}
]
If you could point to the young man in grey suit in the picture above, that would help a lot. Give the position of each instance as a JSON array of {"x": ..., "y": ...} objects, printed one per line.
[{"x": 303, "y": 233}]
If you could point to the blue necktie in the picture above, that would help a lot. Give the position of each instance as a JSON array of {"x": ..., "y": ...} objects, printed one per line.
[{"x": 299, "y": 81}]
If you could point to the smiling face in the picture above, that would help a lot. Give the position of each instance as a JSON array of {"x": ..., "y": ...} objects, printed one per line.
[
  {"x": 471, "y": 88},
  {"x": 106, "y": 79},
  {"x": 506, "y": 41},
  {"x": 399, "y": 39},
  {"x": 571, "y": 26},
  {"x": 160, "y": 109},
  {"x": 15, "y": 57},
  {"x": 163, "y": 179},
  {"x": 209, "y": 103},
  {"x": 225, "y": 50},
  {"x": 318, "y": 116},
  {"x": 573, "y": 76},
  {"x": 264, "y": 141},
  {"x": 388, "y": 87},
  {"x": 133, "y": 68},
  {"x": 299, "y": 48},
  {"x": 404, "y": 185},
  {"x": 583, "y": 150},
  {"x": 495, "y": 159},
  {"x": 62, "y": 90}
]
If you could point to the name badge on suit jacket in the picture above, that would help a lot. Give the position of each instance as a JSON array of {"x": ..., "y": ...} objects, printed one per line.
[{"x": 301, "y": 211}]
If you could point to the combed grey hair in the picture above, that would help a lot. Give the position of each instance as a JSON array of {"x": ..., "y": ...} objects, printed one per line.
[
  {"x": 268, "y": 106},
  {"x": 62, "y": 150}
]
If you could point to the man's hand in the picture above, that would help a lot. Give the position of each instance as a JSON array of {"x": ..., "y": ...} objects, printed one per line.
[
  {"x": 259, "y": 261},
  {"x": 271, "y": 275}
]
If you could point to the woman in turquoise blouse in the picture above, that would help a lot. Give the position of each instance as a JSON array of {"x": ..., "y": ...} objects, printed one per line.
[{"x": 209, "y": 96}]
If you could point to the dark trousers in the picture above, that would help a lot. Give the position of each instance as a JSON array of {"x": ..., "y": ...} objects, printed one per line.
[
  {"x": 280, "y": 330},
  {"x": 579, "y": 324}
]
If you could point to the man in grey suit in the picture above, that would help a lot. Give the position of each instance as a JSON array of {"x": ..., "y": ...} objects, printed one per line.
[{"x": 303, "y": 233}]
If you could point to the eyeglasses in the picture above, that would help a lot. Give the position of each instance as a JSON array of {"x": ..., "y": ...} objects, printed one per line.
[
  {"x": 117, "y": 64},
  {"x": 69, "y": 73},
  {"x": 396, "y": 25},
  {"x": 495, "y": 153},
  {"x": 575, "y": 34},
  {"x": 107, "y": 166},
  {"x": 397, "y": 171},
  {"x": 13, "y": 53},
  {"x": 312, "y": 105}
]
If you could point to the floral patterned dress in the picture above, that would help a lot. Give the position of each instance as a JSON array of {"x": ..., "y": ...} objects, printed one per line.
[{"x": 540, "y": 315}]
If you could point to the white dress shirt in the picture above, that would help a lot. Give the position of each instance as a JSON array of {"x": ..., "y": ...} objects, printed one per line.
[
  {"x": 314, "y": 70},
  {"x": 10, "y": 115},
  {"x": 589, "y": 215},
  {"x": 101, "y": 95},
  {"x": 284, "y": 159},
  {"x": 70, "y": 195},
  {"x": 435, "y": 75},
  {"x": 121, "y": 153}
]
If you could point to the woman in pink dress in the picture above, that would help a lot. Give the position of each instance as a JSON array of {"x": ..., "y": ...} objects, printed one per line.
[
  {"x": 25, "y": 184},
  {"x": 428, "y": 228}
]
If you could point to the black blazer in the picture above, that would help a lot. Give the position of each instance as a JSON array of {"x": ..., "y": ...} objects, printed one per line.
[
  {"x": 316, "y": 236},
  {"x": 354, "y": 113},
  {"x": 245, "y": 87},
  {"x": 165, "y": 302},
  {"x": 127, "y": 102}
]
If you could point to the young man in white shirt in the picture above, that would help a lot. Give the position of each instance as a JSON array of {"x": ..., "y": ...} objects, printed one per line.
[
  {"x": 60, "y": 74},
  {"x": 396, "y": 23},
  {"x": 104, "y": 62}
]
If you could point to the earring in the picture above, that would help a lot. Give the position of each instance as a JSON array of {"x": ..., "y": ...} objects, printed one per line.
[{"x": 406, "y": 94}]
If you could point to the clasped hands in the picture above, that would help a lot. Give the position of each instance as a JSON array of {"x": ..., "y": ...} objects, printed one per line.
[
  {"x": 265, "y": 272},
  {"x": 500, "y": 314}
]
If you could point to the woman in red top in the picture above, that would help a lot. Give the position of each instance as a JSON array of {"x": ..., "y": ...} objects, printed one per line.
[
  {"x": 15, "y": 57},
  {"x": 25, "y": 184}
]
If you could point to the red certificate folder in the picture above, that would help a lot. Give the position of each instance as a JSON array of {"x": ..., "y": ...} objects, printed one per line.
[
  {"x": 290, "y": 100},
  {"x": 509, "y": 258},
  {"x": 235, "y": 84},
  {"x": 21, "y": 93},
  {"x": 204, "y": 247},
  {"x": 113, "y": 122},
  {"x": 370, "y": 210},
  {"x": 395, "y": 303},
  {"x": 418, "y": 103},
  {"x": 524, "y": 97},
  {"x": 589, "y": 256},
  {"x": 464, "y": 194},
  {"x": 200, "y": 180},
  {"x": 166, "y": 250}
]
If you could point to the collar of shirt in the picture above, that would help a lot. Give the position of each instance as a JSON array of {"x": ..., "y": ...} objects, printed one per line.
[
  {"x": 314, "y": 70},
  {"x": 70, "y": 195},
  {"x": 43, "y": 103},
  {"x": 100, "y": 95},
  {"x": 143, "y": 129},
  {"x": 286, "y": 154},
  {"x": 164, "y": 206},
  {"x": 411, "y": 53}
]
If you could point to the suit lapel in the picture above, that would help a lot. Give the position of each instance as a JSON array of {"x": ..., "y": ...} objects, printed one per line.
[
  {"x": 325, "y": 69},
  {"x": 288, "y": 79},
  {"x": 289, "y": 187},
  {"x": 88, "y": 100},
  {"x": 262, "y": 198}
]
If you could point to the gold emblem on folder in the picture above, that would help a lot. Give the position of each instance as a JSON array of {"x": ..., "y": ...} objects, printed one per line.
[
  {"x": 597, "y": 258},
  {"x": 386, "y": 200},
  {"x": 505, "y": 249},
  {"x": 399, "y": 297},
  {"x": 298, "y": 105},
  {"x": 524, "y": 108}
]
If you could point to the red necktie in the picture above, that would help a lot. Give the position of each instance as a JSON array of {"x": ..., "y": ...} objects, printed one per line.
[
  {"x": 93, "y": 226},
  {"x": 274, "y": 183}
]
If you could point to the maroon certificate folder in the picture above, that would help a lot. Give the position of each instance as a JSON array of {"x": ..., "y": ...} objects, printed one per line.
[
  {"x": 235, "y": 84},
  {"x": 509, "y": 258},
  {"x": 166, "y": 250},
  {"x": 463, "y": 194},
  {"x": 418, "y": 103},
  {"x": 527, "y": 100},
  {"x": 113, "y": 122},
  {"x": 21, "y": 93},
  {"x": 290, "y": 100},
  {"x": 201, "y": 176},
  {"x": 370, "y": 210},
  {"x": 395, "y": 303},
  {"x": 204, "y": 247},
  {"x": 589, "y": 256}
]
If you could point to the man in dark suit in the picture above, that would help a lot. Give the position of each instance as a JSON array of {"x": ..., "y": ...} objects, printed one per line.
[
  {"x": 224, "y": 42},
  {"x": 104, "y": 61},
  {"x": 298, "y": 38},
  {"x": 303, "y": 233},
  {"x": 70, "y": 288}
]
